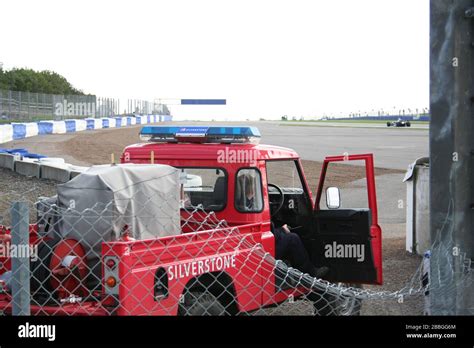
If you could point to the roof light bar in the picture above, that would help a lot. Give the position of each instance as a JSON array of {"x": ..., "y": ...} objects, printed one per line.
[{"x": 199, "y": 134}]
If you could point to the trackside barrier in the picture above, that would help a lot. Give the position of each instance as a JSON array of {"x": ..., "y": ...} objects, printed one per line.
[
  {"x": 81, "y": 125},
  {"x": 7, "y": 161},
  {"x": 15, "y": 131},
  {"x": 30, "y": 168},
  {"x": 59, "y": 127},
  {"x": 6, "y": 133},
  {"x": 59, "y": 171},
  {"x": 39, "y": 166}
]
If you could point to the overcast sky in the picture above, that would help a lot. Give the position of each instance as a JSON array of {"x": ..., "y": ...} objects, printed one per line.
[{"x": 267, "y": 58}]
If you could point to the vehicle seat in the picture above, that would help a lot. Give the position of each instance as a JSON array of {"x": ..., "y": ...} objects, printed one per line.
[{"x": 220, "y": 190}]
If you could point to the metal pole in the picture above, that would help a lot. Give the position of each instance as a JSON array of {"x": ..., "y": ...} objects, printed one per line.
[
  {"x": 20, "y": 263},
  {"x": 451, "y": 155},
  {"x": 19, "y": 108},
  {"x": 10, "y": 104}
]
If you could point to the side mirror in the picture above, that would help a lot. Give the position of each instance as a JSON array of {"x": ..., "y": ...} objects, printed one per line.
[{"x": 333, "y": 198}]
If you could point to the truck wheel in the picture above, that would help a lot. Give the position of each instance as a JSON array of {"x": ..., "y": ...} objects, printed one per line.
[
  {"x": 332, "y": 305},
  {"x": 388, "y": 124},
  {"x": 201, "y": 304},
  {"x": 408, "y": 124}
]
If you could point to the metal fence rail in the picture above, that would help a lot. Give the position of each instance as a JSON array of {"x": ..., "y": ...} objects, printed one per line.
[{"x": 17, "y": 106}]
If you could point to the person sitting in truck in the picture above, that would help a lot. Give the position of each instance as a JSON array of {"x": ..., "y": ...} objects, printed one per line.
[{"x": 288, "y": 245}]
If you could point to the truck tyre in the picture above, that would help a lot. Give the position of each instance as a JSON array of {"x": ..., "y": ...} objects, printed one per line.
[
  {"x": 408, "y": 124},
  {"x": 332, "y": 305},
  {"x": 388, "y": 124},
  {"x": 201, "y": 304}
]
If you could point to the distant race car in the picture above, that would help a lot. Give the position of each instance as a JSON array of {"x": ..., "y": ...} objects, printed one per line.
[{"x": 399, "y": 123}]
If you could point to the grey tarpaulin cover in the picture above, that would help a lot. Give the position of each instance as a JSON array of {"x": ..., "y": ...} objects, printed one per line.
[{"x": 101, "y": 201}]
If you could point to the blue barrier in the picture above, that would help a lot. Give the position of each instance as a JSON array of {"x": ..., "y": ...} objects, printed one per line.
[
  {"x": 129, "y": 121},
  {"x": 13, "y": 151},
  {"x": 23, "y": 153},
  {"x": 19, "y": 131},
  {"x": 118, "y": 122},
  {"x": 34, "y": 155},
  {"x": 105, "y": 123},
  {"x": 90, "y": 124},
  {"x": 70, "y": 126},
  {"x": 138, "y": 120},
  {"x": 45, "y": 127}
]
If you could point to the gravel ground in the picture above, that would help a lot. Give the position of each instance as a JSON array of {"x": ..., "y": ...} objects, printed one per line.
[{"x": 15, "y": 187}]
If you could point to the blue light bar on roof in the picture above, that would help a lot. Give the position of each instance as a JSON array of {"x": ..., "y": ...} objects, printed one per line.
[{"x": 200, "y": 134}]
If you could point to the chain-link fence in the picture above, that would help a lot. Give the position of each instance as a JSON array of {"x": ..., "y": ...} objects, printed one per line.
[
  {"x": 17, "y": 106},
  {"x": 125, "y": 240}
]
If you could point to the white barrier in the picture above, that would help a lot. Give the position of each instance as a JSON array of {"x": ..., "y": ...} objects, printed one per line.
[
  {"x": 49, "y": 160},
  {"x": 59, "y": 127},
  {"x": 97, "y": 123},
  {"x": 81, "y": 125},
  {"x": 112, "y": 122},
  {"x": 6, "y": 133},
  {"x": 31, "y": 129}
]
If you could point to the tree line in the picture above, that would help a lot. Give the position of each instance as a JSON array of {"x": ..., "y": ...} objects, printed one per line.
[{"x": 29, "y": 80}]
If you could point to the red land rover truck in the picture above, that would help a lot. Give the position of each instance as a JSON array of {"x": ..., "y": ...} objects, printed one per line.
[{"x": 218, "y": 271}]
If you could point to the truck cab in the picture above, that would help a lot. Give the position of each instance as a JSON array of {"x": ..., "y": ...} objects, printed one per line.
[{"x": 218, "y": 164}]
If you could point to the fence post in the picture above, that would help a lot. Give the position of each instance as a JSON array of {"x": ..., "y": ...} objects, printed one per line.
[
  {"x": 20, "y": 263},
  {"x": 20, "y": 114},
  {"x": 29, "y": 105},
  {"x": 10, "y": 104},
  {"x": 451, "y": 156}
]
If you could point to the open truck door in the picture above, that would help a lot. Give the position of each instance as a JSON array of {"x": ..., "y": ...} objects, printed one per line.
[{"x": 348, "y": 240}]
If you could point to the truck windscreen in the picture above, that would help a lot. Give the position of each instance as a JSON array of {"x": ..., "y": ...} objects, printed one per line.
[{"x": 204, "y": 186}]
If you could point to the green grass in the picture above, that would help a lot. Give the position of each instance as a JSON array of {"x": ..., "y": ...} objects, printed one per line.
[
  {"x": 349, "y": 125},
  {"x": 30, "y": 119},
  {"x": 352, "y": 121}
]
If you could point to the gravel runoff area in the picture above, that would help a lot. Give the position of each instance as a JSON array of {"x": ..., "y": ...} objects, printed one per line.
[{"x": 95, "y": 148}]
